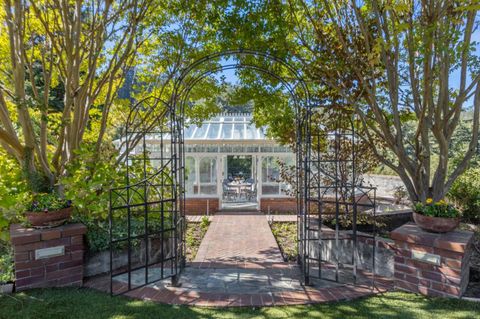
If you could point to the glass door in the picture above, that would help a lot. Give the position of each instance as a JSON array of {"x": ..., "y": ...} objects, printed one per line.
[
  {"x": 239, "y": 185},
  {"x": 239, "y": 168}
]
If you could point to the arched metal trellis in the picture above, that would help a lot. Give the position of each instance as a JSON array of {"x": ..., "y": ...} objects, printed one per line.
[{"x": 147, "y": 217}]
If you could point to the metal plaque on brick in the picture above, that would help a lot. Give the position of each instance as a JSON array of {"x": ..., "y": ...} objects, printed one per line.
[
  {"x": 49, "y": 252},
  {"x": 426, "y": 257}
]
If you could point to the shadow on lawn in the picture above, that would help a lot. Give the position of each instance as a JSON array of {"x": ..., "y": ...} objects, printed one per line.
[{"x": 86, "y": 303}]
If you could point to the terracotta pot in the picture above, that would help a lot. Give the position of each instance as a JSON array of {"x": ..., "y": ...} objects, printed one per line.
[
  {"x": 436, "y": 224},
  {"x": 49, "y": 219}
]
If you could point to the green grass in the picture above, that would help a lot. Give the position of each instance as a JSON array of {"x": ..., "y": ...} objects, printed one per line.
[{"x": 86, "y": 303}]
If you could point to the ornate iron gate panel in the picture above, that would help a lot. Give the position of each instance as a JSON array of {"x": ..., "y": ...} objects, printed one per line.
[
  {"x": 335, "y": 199},
  {"x": 144, "y": 224}
]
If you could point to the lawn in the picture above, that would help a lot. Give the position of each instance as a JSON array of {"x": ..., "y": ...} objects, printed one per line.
[{"x": 85, "y": 303}]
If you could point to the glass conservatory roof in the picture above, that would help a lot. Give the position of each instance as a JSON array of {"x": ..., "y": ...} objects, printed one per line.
[{"x": 230, "y": 126}]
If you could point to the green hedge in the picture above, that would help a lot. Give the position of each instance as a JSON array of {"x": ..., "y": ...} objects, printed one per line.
[{"x": 465, "y": 192}]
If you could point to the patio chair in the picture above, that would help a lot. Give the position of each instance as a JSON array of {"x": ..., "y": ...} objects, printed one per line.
[
  {"x": 228, "y": 192},
  {"x": 251, "y": 193}
]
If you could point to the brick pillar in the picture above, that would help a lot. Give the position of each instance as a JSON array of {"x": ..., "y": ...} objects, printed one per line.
[
  {"x": 48, "y": 257},
  {"x": 432, "y": 264}
]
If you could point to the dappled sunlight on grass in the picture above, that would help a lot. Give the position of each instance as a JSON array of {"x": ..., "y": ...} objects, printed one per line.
[
  {"x": 85, "y": 303},
  {"x": 137, "y": 303}
]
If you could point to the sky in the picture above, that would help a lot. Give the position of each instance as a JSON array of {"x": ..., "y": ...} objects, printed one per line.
[{"x": 230, "y": 75}]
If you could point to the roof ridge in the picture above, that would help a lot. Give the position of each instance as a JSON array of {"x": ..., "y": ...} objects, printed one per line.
[{"x": 235, "y": 114}]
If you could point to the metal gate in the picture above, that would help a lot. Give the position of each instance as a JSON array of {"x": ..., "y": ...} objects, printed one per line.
[
  {"x": 145, "y": 224},
  {"x": 330, "y": 245},
  {"x": 147, "y": 215}
]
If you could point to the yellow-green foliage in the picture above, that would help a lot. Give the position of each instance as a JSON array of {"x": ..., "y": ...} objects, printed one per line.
[
  {"x": 14, "y": 194},
  {"x": 89, "y": 181},
  {"x": 437, "y": 209}
]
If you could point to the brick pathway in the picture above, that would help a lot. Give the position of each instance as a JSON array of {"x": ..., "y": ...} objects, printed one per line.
[
  {"x": 234, "y": 237},
  {"x": 239, "y": 264}
]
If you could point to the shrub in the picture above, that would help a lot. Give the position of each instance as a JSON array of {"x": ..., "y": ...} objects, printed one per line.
[
  {"x": 89, "y": 181},
  {"x": 14, "y": 195},
  {"x": 88, "y": 184},
  {"x": 6, "y": 264},
  {"x": 465, "y": 192},
  {"x": 205, "y": 222},
  {"x": 286, "y": 237},
  {"x": 98, "y": 232}
]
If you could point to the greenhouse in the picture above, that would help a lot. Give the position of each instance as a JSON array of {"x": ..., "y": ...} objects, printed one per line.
[{"x": 230, "y": 164}]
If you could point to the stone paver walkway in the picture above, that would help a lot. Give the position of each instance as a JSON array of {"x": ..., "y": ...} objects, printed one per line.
[
  {"x": 255, "y": 285},
  {"x": 233, "y": 237}
]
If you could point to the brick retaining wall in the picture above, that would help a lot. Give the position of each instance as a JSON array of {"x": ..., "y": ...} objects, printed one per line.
[
  {"x": 432, "y": 264},
  {"x": 199, "y": 206},
  {"x": 284, "y": 205},
  {"x": 34, "y": 271},
  {"x": 423, "y": 262},
  {"x": 289, "y": 205}
]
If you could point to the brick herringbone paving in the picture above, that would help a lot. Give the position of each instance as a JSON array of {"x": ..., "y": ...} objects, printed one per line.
[
  {"x": 239, "y": 237},
  {"x": 240, "y": 264}
]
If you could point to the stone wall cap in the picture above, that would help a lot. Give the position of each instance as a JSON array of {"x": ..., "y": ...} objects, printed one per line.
[
  {"x": 21, "y": 235},
  {"x": 457, "y": 240}
]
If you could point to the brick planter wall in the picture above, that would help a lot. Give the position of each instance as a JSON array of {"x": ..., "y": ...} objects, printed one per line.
[
  {"x": 37, "y": 268},
  {"x": 280, "y": 204},
  {"x": 198, "y": 206},
  {"x": 431, "y": 264},
  {"x": 289, "y": 205}
]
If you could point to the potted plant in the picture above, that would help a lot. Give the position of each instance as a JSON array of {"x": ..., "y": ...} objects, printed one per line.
[
  {"x": 6, "y": 272},
  {"x": 438, "y": 217},
  {"x": 48, "y": 210}
]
